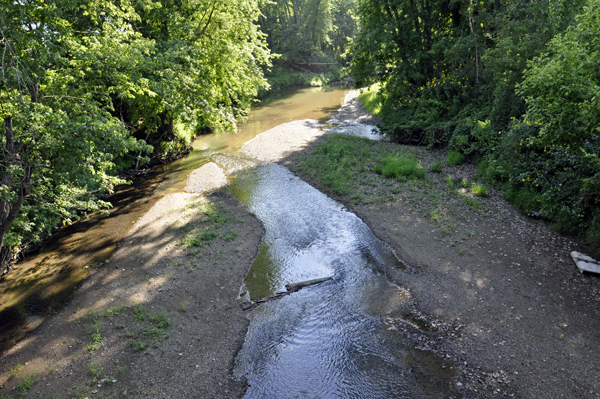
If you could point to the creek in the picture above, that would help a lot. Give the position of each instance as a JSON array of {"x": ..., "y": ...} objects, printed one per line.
[
  {"x": 329, "y": 340},
  {"x": 44, "y": 280}
]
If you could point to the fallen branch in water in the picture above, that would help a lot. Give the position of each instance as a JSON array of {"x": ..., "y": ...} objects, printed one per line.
[{"x": 290, "y": 288}]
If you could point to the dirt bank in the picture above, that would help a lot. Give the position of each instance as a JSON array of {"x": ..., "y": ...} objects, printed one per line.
[
  {"x": 160, "y": 319},
  {"x": 491, "y": 290}
]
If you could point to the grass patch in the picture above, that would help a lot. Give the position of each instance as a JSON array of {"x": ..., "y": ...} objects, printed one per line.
[
  {"x": 479, "y": 190},
  {"x": 14, "y": 371},
  {"x": 95, "y": 372},
  {"x": 371, "y": 100},
  {"x": 94, "y": 331},
  {"x": 113, "y": 311},
  {"x": 80, "y": 392},
  {"x": 436, "y": 167},
  {"x": 472, "y": 203},
  {"x": 340, "y": 163},
  {"x": 25, "y": 385},
  {"x": 401, "y": 168},
  {"x": 199, "y": 238},
  {"x": 139, "y": 314},
  {"x": 160, "y": 320},
  {"x": 138, "y": 346},
  {"x": 153, "y": 331},
  {"x": 348, "y": 166},
  {"x": 467, "y": 188},
  {"x": 230, "y": 236},
  {"x": 454, "y": 158}
]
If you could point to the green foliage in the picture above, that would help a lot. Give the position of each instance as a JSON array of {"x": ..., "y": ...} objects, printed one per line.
[
  {"x": 139, "y": 314},
  {"x": 95, "y": 372},
  {"x": 311, "y": 39},
  {"x": 86, "y": 85},
  {"x": 479, "y": 190},
  {"x": 160, "y": 320},
  {"x": 138, "y": 346},
  {"x": 281, "y": 78},
  {"x": 347, "y": 165},
  {"x": 401, "y": 168},
  {"x": 25, "y": 385},
  {"x": 300, "y": 30},
  {"x": 230, "y": 236},
  {"x": 511, "y": 85},
  {"x": 199, "y": 238},
  {"x": 454, "y": 158},
  {"x": 336, "y": 162},
  {"x": 14, "y": 371},
  {"x": 562, "y": 86}
]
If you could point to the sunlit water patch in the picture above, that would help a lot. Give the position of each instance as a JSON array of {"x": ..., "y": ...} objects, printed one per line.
[{"x": 328, "y": 340}]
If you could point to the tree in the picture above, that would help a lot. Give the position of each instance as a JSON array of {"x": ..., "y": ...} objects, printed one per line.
[
  {"x": 85, "y": 84},
  {"x": 60, "y": 141},
  {"x": 562, "y": 86}
]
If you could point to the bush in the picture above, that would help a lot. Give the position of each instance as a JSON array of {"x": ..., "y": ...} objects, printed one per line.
[{"x": 454, "y": 158}]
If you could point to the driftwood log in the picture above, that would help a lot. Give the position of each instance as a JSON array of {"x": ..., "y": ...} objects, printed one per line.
[{"x": 290, "y": 288}]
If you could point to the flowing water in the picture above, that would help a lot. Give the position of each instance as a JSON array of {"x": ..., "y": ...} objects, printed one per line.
[{"x": 329, "y": 340}]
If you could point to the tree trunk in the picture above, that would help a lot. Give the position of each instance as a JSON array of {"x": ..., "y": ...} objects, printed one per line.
[{"x": 8, "y": 210}]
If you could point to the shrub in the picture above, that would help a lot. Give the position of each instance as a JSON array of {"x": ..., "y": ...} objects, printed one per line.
[{"x": 479, "y": 190}]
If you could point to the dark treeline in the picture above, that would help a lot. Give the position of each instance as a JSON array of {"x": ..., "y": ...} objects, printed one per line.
[{"x": 513, "y": 85}]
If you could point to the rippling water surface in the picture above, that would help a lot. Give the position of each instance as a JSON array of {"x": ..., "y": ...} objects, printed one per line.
[{"x": 329, "y": 340}]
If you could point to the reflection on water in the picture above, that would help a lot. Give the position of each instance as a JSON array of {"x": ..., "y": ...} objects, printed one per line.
[
  {"x": 328, "y": 340},
  {"x": 46, "y": 279}
]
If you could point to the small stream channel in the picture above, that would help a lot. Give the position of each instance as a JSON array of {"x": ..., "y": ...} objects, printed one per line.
[{"x": 328, "y": 340}]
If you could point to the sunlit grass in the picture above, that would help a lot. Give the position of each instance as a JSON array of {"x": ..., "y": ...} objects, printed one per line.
[{"x": 371, "y": 99}]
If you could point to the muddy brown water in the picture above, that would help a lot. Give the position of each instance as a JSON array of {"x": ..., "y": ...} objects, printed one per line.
[{"x": 45, "y": 280}]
